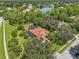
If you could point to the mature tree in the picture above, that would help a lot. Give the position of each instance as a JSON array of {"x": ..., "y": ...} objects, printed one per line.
[
  {"x": 52, "y": 36},
  {"x": 14, "y": 33},
  {"x": 50, "y": 24},
  {"x": 14, "y": 48},
  {"x": 64, "y": 32},
  {"x": 75, "y": 9},
  {"x": 42, "y": 51},
  {"x": 70, "y": 11},
  {"x": 56, "y": 11},
  {"x": 38, "y": 21},
  {"x": 76, "y": 24},
  {"x": 20, "y": 27},
  {"x": 63, "y": 17}
]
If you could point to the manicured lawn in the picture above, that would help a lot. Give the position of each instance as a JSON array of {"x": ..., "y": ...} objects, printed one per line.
[
  {"x": 2, "y": 54},
  {"x": 55, "y": 46},
  {"x": 9, "y": 30},
  {"x": 21, "y": 39}
]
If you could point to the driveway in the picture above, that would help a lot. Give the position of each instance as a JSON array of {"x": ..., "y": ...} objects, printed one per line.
[
  {"x": 4, "y": 37},
  {"x": 1, "y": 20},
  {"x": 66, "y": 54}
]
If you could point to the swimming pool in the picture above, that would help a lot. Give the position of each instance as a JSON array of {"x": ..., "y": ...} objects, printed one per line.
[{"x": 45, "y": 9}]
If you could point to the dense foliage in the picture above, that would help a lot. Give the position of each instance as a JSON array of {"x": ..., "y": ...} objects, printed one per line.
[
  {"x": 14, "y": 48},
  {"x": 38, "y": 1},
  {"x": 42, "y": 51},
  {"x": 62, "y": 23}
]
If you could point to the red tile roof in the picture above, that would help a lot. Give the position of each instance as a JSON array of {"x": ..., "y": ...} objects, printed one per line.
[{"x": 37, "y": 31}]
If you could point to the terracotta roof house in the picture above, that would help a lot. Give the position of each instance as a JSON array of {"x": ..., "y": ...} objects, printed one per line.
[{"x": 38, "y": 32}]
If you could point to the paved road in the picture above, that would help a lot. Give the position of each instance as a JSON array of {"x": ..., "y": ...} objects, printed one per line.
[
  {"x": 4, "y": 37},
  {"x": 66, "y": 54}
]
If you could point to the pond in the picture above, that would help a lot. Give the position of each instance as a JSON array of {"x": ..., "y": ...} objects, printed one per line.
[{"x": 45, "y": 9}]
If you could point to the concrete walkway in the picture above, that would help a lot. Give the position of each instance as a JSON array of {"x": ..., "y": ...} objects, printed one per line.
[
  {"x": 4, "y": 37},
  {"x": 66, "y": 54}
]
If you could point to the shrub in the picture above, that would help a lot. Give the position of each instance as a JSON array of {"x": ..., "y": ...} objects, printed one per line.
[
  {"x": 14, "y": 33},
  {"x": 25, "y": 36},
  {"x": 22, "y": 34},
  {"x": 20, "y": 27}
]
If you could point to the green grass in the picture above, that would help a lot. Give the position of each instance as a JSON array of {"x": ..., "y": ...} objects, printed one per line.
[
  {"x": 2, "y": 54},
  {"x": 66, "y": 46},
  {"x": 21, "y": 39},
  {"x": 55, "y": 46},
  {"x": 9, "y": 29}
]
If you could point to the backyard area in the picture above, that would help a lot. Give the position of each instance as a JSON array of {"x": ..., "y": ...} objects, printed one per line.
[{"x": 9, "y": 29}]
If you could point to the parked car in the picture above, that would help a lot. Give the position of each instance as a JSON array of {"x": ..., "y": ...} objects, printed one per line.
[{"x": 74, "y": 51}]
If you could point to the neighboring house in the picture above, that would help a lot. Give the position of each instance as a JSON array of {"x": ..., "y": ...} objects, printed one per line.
[
  {"x": 26, "y": 10},
  {"x": 9, "y": 8},
  {"x": 29, "y": 8},
  {"x": 39, "y": 32},
  {"x": 61, "y": 7},
  {"x": 72, "y": 17}
]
